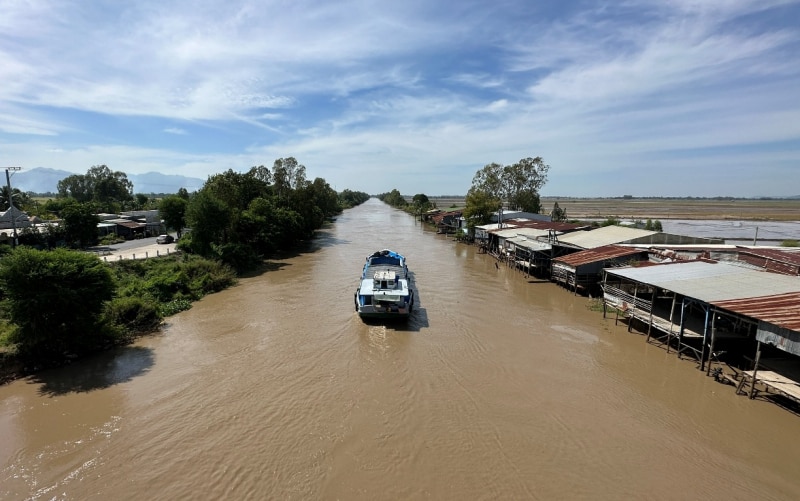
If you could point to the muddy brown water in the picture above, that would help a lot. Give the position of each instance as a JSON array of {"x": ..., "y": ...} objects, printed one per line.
[{"x": 499, "y": 387}]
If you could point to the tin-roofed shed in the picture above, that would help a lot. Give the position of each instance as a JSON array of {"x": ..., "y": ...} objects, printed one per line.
[
  {"x": 680, "y": 299},
  {"x": 584, "y": 269},
  {"x": 601, "y": 237}
]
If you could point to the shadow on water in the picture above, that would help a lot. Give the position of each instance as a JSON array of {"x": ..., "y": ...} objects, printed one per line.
[
  {"x": 414, "y": 323},
  {"x": 105, "y": 370}
]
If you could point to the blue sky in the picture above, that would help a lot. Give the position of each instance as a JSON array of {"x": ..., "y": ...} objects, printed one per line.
[{"x": 648, "y": 98}]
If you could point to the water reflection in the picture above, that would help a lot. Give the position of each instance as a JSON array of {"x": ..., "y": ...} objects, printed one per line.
[{"x": 103, "y": 371}]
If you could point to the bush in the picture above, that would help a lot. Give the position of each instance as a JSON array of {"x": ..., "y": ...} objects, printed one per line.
[
  {"x": 188, "y": 277},
  {"x": 134, "y": 315},
  {"x": 239, "y": 256},
  {"x": 174, "y": 306},
  {"x": 55, "y": 299}
]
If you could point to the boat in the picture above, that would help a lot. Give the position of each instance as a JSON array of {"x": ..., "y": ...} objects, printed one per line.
[{"x": 385, "y": 288}]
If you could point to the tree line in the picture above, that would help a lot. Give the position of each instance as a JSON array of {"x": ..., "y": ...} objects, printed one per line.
[{"x": 56, "y": 301}]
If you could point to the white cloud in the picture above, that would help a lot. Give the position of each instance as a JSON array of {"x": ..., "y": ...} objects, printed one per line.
[{"x": 433, "y": 91}]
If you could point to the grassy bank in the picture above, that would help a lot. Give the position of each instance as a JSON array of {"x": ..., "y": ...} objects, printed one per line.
[{"x": 146, "y": 292}]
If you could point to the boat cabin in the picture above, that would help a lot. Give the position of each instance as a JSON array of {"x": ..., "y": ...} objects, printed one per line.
[{"x": 385, "y": 279}]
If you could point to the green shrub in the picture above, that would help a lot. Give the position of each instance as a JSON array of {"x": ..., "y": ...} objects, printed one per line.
[
  {"x": 174, "y": 306},
  {"x": 133, "y": 315},
  {"x": 55, "y": 299},
  {"x": 239, "y": 256}
]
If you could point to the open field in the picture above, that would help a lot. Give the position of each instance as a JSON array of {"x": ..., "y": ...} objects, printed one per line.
[{"x": 664, "y": 208}]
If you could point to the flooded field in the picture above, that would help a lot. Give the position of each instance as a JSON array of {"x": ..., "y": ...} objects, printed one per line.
[
  {"x": 499, "y": 387},
  {"x": 663, "y": 208}
]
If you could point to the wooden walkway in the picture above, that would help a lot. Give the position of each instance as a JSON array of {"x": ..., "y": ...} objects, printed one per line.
[{"x": 781, "y": 376}]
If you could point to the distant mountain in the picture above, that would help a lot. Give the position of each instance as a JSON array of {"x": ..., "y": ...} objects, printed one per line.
[
  {"x": 155, "y": 182},
  {"x": 38, "y": 180},
  {"x": 45, "y": 180}
]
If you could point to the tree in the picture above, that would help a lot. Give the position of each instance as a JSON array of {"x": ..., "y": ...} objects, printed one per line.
[
  {"x": 19, "y": 199},
  {"x": 421, "y": 203},
  {"x": 111, "y": 186},
  {"x": 558, "y": 213},
  {"x": 76, "y": 186},
  {"x": 208, "y": 216},
  {"x": 100, "y": 184},
  {"x": 261, "y": 173},
  {"x": 480, "y": 207},
  {"x": 522, "y": 182},
  {"x": 489, "y": 180},
  {"x": 287, "y": 175},
  {"x": 394, "y": 198},
  {"x": 172, "y": 210},
  {"x": 55, "y": 298},
  {"x": 80, "y": 224},
  {"x": 517, "y": 184},
  {"x": 141, "y": 200},
  {"x": 348, "y": 198}
]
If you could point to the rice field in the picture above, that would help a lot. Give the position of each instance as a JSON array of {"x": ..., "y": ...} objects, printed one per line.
[{"x": 663, "y": 208}]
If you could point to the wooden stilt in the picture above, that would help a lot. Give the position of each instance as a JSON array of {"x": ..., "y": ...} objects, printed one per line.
[
  {"x": 671, "y": 323},
  {"x": 755, "y": 371},
  {"x": 633, "y": 309},
  {"x": 713, "y": 339},
  {"x": 680, "y": 330},
  {"x": 705, "y": 339}
]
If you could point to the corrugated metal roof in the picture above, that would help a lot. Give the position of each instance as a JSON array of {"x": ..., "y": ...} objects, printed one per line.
[
  {"x": 506, "y": 232},
  {"x": 543, "y": 225},
  {"x": 782, "y": 256},
  {"x": 532, "y": 232},
  {"x": 606, "y": 235},
  {"x": 493, "y": 226},
  {"x": 711, "y": 281},
  {"x": 782, "y": 310},
  {"x": 599, "y": 254},
  {"x": 535, "y": 245}
]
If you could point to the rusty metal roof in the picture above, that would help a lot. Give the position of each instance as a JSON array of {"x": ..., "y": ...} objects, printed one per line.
[
  {"x": 131, "y": 224},
  {"x": 782, "y": 310},
  {"x": 605, "y": 253},
  {"x": 542, "y": 225},
  {"x": 782, "y": 256}
]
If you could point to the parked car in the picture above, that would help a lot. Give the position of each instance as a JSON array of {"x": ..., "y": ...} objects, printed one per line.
[{"x": 164, "y": 239}]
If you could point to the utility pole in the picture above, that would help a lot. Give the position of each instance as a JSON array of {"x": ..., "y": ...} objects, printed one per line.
[{"x": 11, "y": 203}]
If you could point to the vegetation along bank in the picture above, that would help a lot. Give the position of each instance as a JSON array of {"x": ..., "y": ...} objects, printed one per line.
[{"x": 60, "y": 303}]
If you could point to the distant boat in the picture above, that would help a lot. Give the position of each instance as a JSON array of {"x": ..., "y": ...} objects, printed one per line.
[{"x": 385, "y": 289}]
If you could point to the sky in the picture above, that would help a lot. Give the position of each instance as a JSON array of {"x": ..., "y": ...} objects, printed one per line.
[{"x": 625, "y": 97}]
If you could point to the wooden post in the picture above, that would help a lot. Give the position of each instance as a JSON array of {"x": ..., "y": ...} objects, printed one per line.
[
  {"x": 705, "y": 335},
  {"x": 755, "y": 371},
  {"x": 633, "y": 310},
  {"x": 605, "y": 275},
  {"x": 713, "y": 339},
  {"x": 671, "y": 322},
  {"x": 680, "y": 331}
]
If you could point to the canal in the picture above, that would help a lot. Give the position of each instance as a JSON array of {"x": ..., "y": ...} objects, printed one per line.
[{"x": 499, "y": 387}]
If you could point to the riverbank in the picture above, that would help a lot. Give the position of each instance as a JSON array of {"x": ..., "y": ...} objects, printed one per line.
[
  {"x": 146, "y": 292},
  {"x": 499, "y": 387}
]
